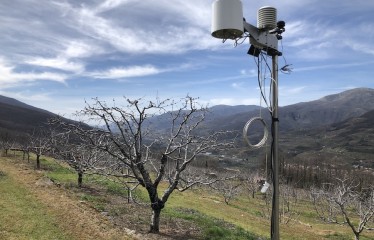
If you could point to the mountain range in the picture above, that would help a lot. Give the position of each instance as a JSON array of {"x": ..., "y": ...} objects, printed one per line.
[{"x": 341, "y": 122}]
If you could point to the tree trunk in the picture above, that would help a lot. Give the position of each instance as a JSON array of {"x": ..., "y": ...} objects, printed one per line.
[
  {"x": 80, "y": 179},
  {"x": 37, "y": 161},
  {"x": 357, "y": 236},
  {"x": 155, "y": 221},
  {"x": 157, "y": 205},
  {"x": 129, "y": 195}
]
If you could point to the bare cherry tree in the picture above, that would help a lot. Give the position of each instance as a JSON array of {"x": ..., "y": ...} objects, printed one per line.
[
  {"x": 252, "y": 183},
  {"x": 153, "y": 153},
  {"x": 289, "y": 197},
  {"x": 7, "y": 142},
  {"x": 342, "y": 203},
  {"x": 75, "y": 151},
  {"x": 39, "y": 143},
  {"x": 229, "y": 189}
]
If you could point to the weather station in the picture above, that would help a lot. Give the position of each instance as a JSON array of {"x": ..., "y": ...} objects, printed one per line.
[{"x": 228, "y": 24}]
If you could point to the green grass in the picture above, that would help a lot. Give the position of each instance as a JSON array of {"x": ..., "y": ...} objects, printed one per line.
[
  {"x": 97, "y": 202},
  {"x": 338, "y": 236},
  {"x": 22, "y": 216},
  {"x": 59, "y": 172},
  {"x": 212, "y": 228}
]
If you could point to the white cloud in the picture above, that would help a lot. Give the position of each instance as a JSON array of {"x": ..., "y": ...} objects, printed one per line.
[
  {"x": 126, "y": 72},
  {"x": 249, "y": 73},
  {"x": 57, "y": 63},
  {"x": 240, "y": 86},
  {"x": 367, "y": 48},
  {"x": 166, "y": 27},
  {"x": 81, "y": 49},
  {"x": 331, "y": 66},
  {"x": 110, "y": 4},
  {"x": 9, "y": 77}
]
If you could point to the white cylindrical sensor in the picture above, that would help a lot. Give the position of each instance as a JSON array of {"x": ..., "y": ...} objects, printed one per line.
[
  {"x": 265, "y": 187},
  {"x": 267, "y": 18},
  {"x": 227, "y": 19}
]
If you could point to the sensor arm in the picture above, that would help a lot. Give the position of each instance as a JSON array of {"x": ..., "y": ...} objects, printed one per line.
[{"x": 262, "y": 39}]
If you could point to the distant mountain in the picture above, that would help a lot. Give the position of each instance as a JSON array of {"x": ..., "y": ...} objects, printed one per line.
[
  {"x": 355, "y": 134},
  {"x": 346, "y": 143},
  {"x": 307, "y": 115},
  {"x": 327, "y": 110},
  {"x": 18, "y": 118},
  {"x": 217, "y": 118},
  {"x": 219, "y": 111},
  {"x": 301, "y": 116}
]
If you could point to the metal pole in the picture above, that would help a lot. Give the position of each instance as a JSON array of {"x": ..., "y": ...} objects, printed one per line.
[{"x": 275, "y": 162}]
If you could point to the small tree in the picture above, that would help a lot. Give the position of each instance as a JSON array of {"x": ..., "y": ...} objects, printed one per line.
[
  {"x": 252, "y": 183},
  {"x": 39, "y": 144},
  {"x": 343, "y": 203},
  {"x": 7, "y": 142},
  {"x": 289, "y": 199},
  {"x": 229, "y": 188},
  {"x": 75, "y": 151},
  {"x": 153, "y": 154}
]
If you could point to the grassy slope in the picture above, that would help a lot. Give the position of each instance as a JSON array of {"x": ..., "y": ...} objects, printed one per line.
[
  {"x": 243, "y": 212},
  {"x": 23, "y": 216},
  {"x": 247, "y": 213},
  {"x": 31, "y": 209}
]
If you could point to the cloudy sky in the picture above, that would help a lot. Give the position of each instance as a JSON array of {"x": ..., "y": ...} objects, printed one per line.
[{"x": 55, "y": 54}]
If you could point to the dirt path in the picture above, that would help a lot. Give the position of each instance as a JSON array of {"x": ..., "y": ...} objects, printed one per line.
[{"x": 74, "y": 217}]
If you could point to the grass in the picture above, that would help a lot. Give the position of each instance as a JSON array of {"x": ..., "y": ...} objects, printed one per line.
[
  {"x": 22, "y": 216},
  {"x": 98, "y": 202},
  {"x": 213, "y": 205},
  {"x": 243, "y": 218},
  {"x": 213, "y": 228}
]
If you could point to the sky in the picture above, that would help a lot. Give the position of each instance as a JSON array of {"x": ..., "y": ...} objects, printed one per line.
[{"x": 57, "y": 54}]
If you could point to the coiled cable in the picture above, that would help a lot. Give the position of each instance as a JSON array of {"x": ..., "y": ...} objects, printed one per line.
[{"x": 264, "y": 138}]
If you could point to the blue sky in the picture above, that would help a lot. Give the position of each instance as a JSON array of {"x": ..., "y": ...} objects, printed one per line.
[{"x": 55, "y": 54}]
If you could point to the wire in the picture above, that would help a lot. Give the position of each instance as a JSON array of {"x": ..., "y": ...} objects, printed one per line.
[
  {"x": 262, "y": 75},
  {"x": 237, "y": 43},
  {"x": 264, "y": 138},
  {"x": 286, "y": 69},
  {"x": 259, "y": 78}
]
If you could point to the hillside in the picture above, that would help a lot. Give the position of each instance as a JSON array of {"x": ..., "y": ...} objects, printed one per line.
[
  {"x": 356, "y": 137},
  {"x": 323, "y": 112},
  {"x": 327, "y": 110},
  {"x": 18, "y": 118},
  {"x": 348, "y": 143},
  {"x": 22, "y": 119}
]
